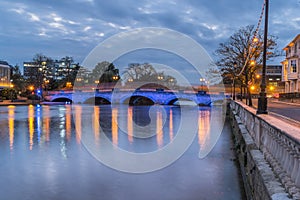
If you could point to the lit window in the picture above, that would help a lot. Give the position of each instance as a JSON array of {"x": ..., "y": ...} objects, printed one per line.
[{"x": 293, "y": 66}]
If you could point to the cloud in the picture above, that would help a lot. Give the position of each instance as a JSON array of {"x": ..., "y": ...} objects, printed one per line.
[{"x": 85, "y": 23}]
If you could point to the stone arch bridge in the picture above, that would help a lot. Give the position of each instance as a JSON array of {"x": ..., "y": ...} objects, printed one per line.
[{"x": 137, "y": 97}]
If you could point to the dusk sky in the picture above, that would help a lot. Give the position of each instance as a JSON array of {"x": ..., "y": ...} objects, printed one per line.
[{"x": 74, "y": 28}]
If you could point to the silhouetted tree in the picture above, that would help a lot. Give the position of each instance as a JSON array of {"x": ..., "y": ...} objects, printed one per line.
[
  {"x": 17, "y": 78},
  {"x": 146, "y": 73},
  {"x": 105, "y": 72}
]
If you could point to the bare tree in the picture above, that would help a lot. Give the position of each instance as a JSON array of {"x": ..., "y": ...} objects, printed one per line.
[
  {"x": 241, "y": 56},
  {"x": 146, "y": 73}
]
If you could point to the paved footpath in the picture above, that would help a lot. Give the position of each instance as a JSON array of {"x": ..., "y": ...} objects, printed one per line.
[{"x": 288, "y": 112}]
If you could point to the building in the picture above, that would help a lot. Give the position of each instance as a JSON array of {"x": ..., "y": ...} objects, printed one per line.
[
  {"x": 30, "y": 69},
  {"x": 63, "y": 68},
  {"x": 290, "y": 66},
  {"x": 43, "y": 71},
  {"x": 4, "y": 74},
  {"x": 274, "y": 78}
]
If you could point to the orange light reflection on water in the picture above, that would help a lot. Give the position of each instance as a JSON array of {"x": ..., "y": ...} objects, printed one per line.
[
  {"x": 46, "y": 123},
  {"x": 203, "y": 127},
  {"x": 114, "y": 126},
  {"x": 96, "y": 124},
  {"x": 171, "y": 133},
  {"x": 11, "y": 123},
  {"x": 159, "y": 127},
  {"x": 129, "y": 124},
  {"x": 78, "y": 112},
  {"x": 68, "y": 122},
  {"x": 31, "y": 125}
]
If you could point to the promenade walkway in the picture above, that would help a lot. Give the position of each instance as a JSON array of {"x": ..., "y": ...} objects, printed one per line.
[{"x": 285, "y": 111}]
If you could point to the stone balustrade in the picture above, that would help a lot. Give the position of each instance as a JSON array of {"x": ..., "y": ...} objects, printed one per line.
[{"x": 278, "y": 142}]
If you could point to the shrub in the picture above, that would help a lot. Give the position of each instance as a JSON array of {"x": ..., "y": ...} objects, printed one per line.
[
  {"x": 34, "y": 97},
  {"x": 9, "y": 93}
]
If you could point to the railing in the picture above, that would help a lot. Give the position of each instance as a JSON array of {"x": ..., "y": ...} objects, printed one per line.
[
  {"x": 291, "y": 95},
  {"x": 278, "y": 141},
  {"x": 292, "y": 76}
]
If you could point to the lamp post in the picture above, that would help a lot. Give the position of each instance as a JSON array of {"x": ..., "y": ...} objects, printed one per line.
[
  {"x": 202, "y": 81},
  {"x": 262, "y": 100},
  {"x": 233, "y": 82}
]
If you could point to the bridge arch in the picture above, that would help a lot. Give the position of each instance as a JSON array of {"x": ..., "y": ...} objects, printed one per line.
[
  {"x": 173, "y": 101},
  {"x": 139, "y": 100},
  {"x": 97, "y": 101},
  {"x": 62, "y": 99}
]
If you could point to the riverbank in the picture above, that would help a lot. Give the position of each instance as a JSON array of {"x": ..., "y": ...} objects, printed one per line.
[{"x": 28, "y": 102}]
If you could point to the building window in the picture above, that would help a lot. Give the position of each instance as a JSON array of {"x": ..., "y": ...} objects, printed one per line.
[
  {"x": 295, "y": 48},
  {"x": 293, "y": 66}
]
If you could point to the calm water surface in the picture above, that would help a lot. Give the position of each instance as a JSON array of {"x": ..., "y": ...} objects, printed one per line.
[{"x": 43, "y": 156}]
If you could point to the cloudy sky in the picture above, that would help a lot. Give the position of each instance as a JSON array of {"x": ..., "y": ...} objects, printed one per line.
[{"x": 59, "y": 28}]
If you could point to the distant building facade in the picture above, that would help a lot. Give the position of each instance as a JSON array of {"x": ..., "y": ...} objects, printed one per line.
[
  {"x": 30, "y": 69},
  {"x": 290, "y": 66},
  {"x": 4, "y": 74},
  {"x": 273, "y": 78},
  {"x": 48, "y": 70}
]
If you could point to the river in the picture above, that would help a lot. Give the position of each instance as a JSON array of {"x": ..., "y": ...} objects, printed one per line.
[{"x": 59, "y": 152}]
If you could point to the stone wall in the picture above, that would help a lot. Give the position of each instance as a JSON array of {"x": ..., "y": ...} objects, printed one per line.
[{"x": 269, "y": 154}]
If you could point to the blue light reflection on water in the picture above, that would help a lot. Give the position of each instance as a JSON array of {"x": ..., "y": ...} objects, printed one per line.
[{"x": 43, "y": 158}]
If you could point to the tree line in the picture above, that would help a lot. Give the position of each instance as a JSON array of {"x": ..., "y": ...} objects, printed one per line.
[{"x": 46, "y": 72}]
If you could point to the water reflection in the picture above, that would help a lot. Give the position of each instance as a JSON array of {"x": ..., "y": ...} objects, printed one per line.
[
  {"x": 203, "y": 127},
  {"x": 31, "y": 125},
  {"x": 68, "y": 121},
  {"x": 62, "y": 124},
  {"x": 125, "y": 126},
  {"x": 159, "y": 128},
  {"x": 39, "y": 149},
  {"x": 130, "y": 124},
  {"x": 78, "y": 113},
  {"x": 46, "y": 123},
  {"x": 38, "y": 123},
  {"x": 11, "y": 124},
  {"x": 114, "y": 126},
  {"x": 171, "y": 133},
  {"x": 96, "y": 125}
]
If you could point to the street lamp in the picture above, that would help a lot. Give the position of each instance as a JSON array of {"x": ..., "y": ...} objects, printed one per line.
[
  {"x": 202, "y": 81},
  {"x": 262, "y": 100},
  {"x": 159, "y": 77},
  {"x": 115, "y": 78},
  {"x": 46, "y": 84},
  {"x": 233, "y": 95}
]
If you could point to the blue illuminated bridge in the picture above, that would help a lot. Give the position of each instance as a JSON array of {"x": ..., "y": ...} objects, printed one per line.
[{"x": 136, "y": 97}]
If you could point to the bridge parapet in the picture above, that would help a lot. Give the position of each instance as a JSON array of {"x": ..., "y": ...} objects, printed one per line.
[
  {"x": 274, "y": 142},
  {"x": 119, "y": 96}
]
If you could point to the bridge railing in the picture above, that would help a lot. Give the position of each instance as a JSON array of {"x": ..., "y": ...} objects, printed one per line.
[{"x": 278, "y": 141}]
